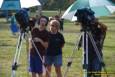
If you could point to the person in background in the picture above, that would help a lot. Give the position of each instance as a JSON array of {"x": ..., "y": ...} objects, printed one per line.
[
  {"x": 40, "y": 37},
  {"x": 13, "y": 26},
  {"x": 61, "y": 24},
  {"x": 32, "y": 23},
  {"x": 99, "y": 34},
  {"x": 54, "y": 51},
  {"x": 103, "y": 28}
]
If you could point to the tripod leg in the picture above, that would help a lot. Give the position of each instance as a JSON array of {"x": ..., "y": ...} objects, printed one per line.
[
  {"x": 27, "y": 50},
  {"x": 97, "y": 51},
  {"x": 17, "y": 54},
  {"x": 85, "y": 53},
  {"x": 40, "y": 57},
  {"x": 17, "y": 47},
  {"x": 71, "y": 57},
  {"x": 14, "y": 65},
  {"x": 20, "y": 48}
]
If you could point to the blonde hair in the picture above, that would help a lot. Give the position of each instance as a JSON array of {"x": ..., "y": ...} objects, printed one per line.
[{"x": 55, "y": 22}]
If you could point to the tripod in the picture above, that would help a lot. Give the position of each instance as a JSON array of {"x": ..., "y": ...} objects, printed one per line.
[
  {"x": 85, "y": 36},
  {"x": 22, "y": 35}
]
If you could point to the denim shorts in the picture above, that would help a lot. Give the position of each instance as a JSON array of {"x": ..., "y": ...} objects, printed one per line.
[
  {"x": 53, "y": 60},
  {"x": 35, "y": 64}
]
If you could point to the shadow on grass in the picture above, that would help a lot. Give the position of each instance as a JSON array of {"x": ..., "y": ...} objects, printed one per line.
[
  {"x": 108, "y": 21},
  {"x": 106, "y": 46},
  {"x": 110, "y": 47},
  {"x": 6, "y": 45},
  {"x": 4, "y": 26},
  {"x": 69, "y": 43}
]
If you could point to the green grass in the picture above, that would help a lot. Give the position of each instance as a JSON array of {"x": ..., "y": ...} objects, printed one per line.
[
  {"x": 8, "y": 46},
  {"x": 47, "y": 13}
]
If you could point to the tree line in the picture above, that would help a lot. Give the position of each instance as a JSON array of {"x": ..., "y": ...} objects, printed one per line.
[{"x": 58, "y": 4}]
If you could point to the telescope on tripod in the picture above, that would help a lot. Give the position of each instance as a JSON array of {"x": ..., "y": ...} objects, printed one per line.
[
  {"x": 23, "y": 19},
  {"x": 91, "y": 40}
]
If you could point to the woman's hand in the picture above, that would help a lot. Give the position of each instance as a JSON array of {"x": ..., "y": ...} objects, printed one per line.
[
  {"x": 45, "y": 44},
  {"x": 37, "y": 40}
]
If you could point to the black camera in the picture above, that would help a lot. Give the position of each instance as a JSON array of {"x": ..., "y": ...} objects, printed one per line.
[
  {"x": 85, "y": 16},
  {"x": 22, "y": 18}
]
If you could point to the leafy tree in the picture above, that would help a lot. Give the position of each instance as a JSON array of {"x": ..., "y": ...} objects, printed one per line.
[{"x": 56, "y": 4}]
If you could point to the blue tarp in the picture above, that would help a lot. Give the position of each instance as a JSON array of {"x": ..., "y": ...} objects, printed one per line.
[{"x": 11, "y": 5}]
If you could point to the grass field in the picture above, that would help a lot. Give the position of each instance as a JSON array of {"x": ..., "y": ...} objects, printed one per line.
[{"x": 8, "y": 46}]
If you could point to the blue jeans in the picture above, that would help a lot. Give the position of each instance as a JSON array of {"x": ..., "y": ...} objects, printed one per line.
[
  {"x": 94, "y": 67},
  {"x": 56, "y": 60}
]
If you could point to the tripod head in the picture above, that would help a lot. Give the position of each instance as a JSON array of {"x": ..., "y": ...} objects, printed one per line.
[{"x": 87, "y": 19}]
